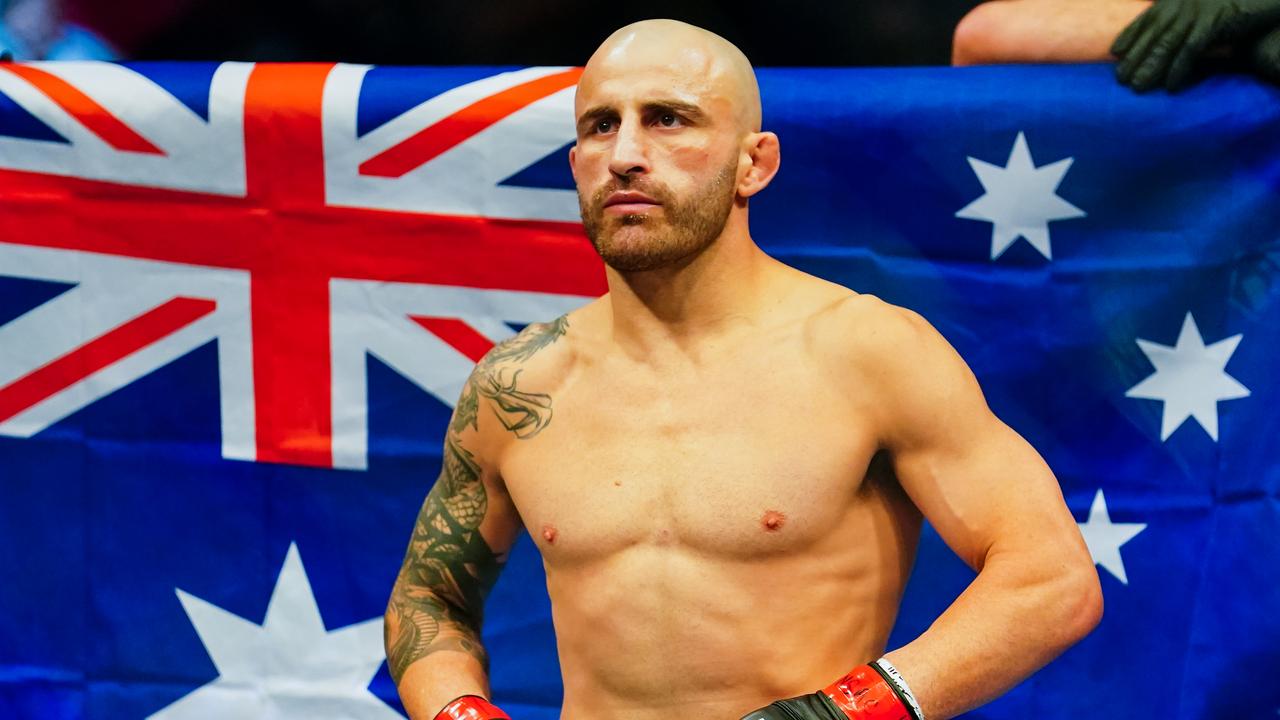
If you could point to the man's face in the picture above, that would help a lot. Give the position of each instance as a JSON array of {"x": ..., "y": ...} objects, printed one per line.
[{"x": 657, "y": 157}]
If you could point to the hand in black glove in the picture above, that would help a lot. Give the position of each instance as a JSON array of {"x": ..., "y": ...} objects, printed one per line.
[
  {"x": 1266, "y": 56},
  {"x": 814, "y": 706},
  {"x": 1163, "y": 44},
  {"x": 863, "y": 693}
]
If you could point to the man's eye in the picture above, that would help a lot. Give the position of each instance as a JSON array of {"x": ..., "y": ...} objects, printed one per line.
[
  {"x": 668, "y": 120},
  {"x": 604, "y": 126}
]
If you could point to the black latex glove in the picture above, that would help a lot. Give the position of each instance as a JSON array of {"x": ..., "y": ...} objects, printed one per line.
[
  {"x": 1266, "y": 56},
  {"x": 1164, "y": 43},
  {"x": 814, "y": 706}
]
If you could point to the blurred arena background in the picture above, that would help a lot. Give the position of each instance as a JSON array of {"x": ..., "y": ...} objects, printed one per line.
[{"x": 412, "y": 32}]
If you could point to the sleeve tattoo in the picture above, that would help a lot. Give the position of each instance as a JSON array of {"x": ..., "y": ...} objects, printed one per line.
[{"x": 438, "y": 599}]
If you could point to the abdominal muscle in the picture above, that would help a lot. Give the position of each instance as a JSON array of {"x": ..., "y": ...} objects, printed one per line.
[{"x": 657, "y": 629}]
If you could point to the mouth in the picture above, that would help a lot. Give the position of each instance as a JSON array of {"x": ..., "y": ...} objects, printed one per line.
[{"x": 627, "y": 203}]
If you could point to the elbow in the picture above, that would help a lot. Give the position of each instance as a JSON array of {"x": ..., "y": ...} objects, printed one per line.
[
  {"x": 1094, "y": 606},
  {"x": 1082, "y": 605}
]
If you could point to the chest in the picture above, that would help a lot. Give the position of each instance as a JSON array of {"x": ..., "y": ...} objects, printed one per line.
[{"x": 754, "y": 459}]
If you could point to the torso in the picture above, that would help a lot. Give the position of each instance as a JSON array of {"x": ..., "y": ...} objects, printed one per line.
[{"x": 716, "y": 534}]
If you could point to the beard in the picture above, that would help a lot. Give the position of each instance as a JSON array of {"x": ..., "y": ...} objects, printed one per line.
[{"x": 638, "y": 242}]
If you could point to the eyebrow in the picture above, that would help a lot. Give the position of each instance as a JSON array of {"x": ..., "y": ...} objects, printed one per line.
[{"x": 689, "y": 110}]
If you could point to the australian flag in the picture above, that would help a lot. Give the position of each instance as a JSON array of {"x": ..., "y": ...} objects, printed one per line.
[{"x": 237, "y": 301}]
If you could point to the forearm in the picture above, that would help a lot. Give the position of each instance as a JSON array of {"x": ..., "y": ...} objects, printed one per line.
[
  {"x": 434, "y": 681},
  {"x": 1013, "y": 619},
  {"x": 1018, "y": 31},
  {"x": 433, "y": 651}
]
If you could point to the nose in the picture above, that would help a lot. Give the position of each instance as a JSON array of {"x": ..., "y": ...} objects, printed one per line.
[{"x": 630, "y": 152}]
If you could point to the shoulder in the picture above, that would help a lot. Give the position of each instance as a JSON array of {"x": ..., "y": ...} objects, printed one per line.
[
  {"x": 512, "y": 388},
  {"x": 863, "y": 329},
  {"x": 892, "y": 363},
  {"x": 543, "y": 352},
  {"x": 836, "y": 320},
  {"x": 537, "y": 346}
]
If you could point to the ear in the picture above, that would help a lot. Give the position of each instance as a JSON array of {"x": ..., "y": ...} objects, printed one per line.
[
  {"x": 762, "y": 149},
  {"x": 573, "y": 157}
]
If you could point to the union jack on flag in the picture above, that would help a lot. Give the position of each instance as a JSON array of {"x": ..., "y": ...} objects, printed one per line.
[{"x": 266, "y": 208}]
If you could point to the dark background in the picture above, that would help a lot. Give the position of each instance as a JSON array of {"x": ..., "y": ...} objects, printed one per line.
[{"x": 551, "y": 32}]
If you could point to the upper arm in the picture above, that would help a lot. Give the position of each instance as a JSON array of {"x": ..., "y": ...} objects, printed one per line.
[
  {"x": 468, "y": 522},
  {"x": 979, "y": 483},
  {"x": 460, "y": 540}
]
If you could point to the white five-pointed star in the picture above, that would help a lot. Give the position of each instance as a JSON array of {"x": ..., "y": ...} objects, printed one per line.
[
  {"x": 1020, "y": 200},
  {"x": 288, "y": 667},
  {"x": 1104, "y": 537},
  {"x": 1190, "y": 378}
]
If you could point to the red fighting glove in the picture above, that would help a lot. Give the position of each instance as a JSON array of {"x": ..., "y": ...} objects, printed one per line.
[
  {"x": 471, "y": 707},
  {"x": 865, "y": 694}
]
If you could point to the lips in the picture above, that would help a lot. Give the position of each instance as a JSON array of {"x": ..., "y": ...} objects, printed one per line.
[{"x": 630, "y": 202}]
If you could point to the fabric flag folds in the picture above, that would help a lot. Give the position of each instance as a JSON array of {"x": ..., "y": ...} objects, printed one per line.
[{"x": 237, "y": 302}]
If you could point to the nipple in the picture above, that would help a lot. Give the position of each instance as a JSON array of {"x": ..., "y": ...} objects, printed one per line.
[
  {"x": 549, "y": 533},
  {"x": 772, "y": 520}
]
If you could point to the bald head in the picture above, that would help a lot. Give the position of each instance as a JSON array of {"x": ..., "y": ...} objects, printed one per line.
[
  {"x": 685, "y": 59},
  {"x": 669, "y": 144}
]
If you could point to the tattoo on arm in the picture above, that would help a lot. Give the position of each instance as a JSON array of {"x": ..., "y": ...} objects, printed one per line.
[
  {"x": 447, "y": 570},
  {"x": 438, "y": 599},
  {"x": 523, "y": 413}
]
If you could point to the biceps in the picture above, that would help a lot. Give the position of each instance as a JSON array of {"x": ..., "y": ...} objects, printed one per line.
[
  {"x": 463, "y": 533},
  {"x": 984, "y": 489}
]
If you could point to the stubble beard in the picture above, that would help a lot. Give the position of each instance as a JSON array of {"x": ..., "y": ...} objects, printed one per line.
[{"x": 639, "y": 242}]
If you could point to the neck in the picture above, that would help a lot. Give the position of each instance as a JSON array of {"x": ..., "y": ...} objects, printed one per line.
[{"x": 683, "y": 306}]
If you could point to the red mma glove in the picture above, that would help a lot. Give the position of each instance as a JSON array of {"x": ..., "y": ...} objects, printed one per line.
[
  {"x": 868, "y": 692},
  {"x": 471, "y": 707}
]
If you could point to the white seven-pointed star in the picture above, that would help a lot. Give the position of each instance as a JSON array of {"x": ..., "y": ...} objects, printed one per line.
[
  {"x": 1190, "y": 378},
  {"x": 1104, "y": 537},
  {"x": 288, "y": 667},
  {"x": 1020, "y": 200}
]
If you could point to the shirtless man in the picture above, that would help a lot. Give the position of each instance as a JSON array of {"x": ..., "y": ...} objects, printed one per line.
[{"x": 724, "y": 461}]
